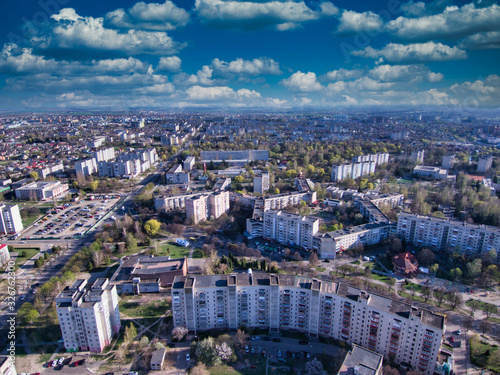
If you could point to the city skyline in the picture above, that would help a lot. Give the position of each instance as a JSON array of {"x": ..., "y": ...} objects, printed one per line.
[{"x": 269, "y": 55}]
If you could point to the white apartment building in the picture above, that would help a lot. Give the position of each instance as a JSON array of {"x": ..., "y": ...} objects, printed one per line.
[
  {"x": 42, "y": 190},
  {"x": 417, "y": 157},
  {"x": 376, "y": 158},
  {"x": 484, "y": 164},
  {"x": 88, "y": 315},
  {"x": 49, "y": 169},
  {"x": 10, "y": 219},
  {"x": 448, "y": 161},
  {"x": 104, "y": 154},
  {"x": 197, "y": 208},
  {"x": 398, "y": 331},
  {"x": 119, "y": 168},
  {"x": 175, "y": 175},
  {"x": 366, "y": 234},
  {"x": 218, "y": 203},
  {"x": 4, "y": 253},
  {"x": 97, "y": 142},
  {"x": 290, "y": 229},
  {"x": 188, "y": 163},
  {"x": 472, "y": 240},
  {"x": 86, "y": 167},
  {"x": 339, "y": 172},
  {"x": 261, "y": 183}
]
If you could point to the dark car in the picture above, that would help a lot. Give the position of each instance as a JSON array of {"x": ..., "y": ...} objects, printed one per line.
[
  {"x": 303, "y": 342},
  {"x": 277, "y": 339}
]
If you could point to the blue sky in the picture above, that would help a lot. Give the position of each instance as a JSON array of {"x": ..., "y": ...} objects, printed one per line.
[{"x": 260, "y": 54}]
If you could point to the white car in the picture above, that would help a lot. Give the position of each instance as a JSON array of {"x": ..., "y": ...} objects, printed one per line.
[
  {"x": 22, "y": 298},
  {"x": 188, "y": 357}
]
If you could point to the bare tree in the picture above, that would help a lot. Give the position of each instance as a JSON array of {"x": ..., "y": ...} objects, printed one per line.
[
  {"x": 426, "y": 292},
  {"x": 240, "y": 339},
  {"x": 474, "y": 305},
  {"x": 468, "y": 323},
  {"x": 313, "y": 259},
  {"x": 490, "y": 309},
  {"x": 485, "y": 326}
]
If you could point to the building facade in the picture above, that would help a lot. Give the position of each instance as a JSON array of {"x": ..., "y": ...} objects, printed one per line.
[
  {"x": 49, "y": 169},
  {"x": 429, "y": 171},
  {"x": 261, "y": 183},
  {"x": 234, "y": 156},
  {"x": 290, "y": 229},
  {"x": 42, "y": 190},
  {"x": 88, "y": 315},
  {"x": 417, "y": 157},
  {"x": 398, "y": 331},
  {"x": 86, "y": 167},
  {"x": 188, "y": 163},
  {"x": 472, "y": 240},
  {"x": 201, "y": 207},
  {"x": 484, "y": 164},
  {"x": 10, "y": 219},
  {"x": 339, "y": 172},
  {"x": 376, "y": 158}
]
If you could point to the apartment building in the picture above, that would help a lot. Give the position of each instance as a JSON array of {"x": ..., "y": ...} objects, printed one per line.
[
  {"x": 472, "y": 240},
  {"x": 417, "y": 157},
  {"x": 86, "y": 167},
  {"x": 4, "y": 254},
  {"x": 235, "y": 156},
  {"x": 339, "y": 172},
  {"x": 104, "y": 154},
  {"x": 261, "y": 183},
  {"x": 88, "y": 315},
  {"x": 222, "y": 184},
  {"x": 42, "y": 190},
  {"x": 129, "y": 168},
  {"x": 218, "y": 203},
  {"x": 289, "y": 228},
  {"x": 188, "y": 163},
  {"x": 175, "y": 175},
  {"x": 376, "y": 158},
  {"x": 96, "y": 143},
  {"x": 46, "y": 171},
  {"x": 10, "y": 219},
  {"x": 197, "y": 208},
  {"x": 430, "y": 171},
  {"x": 448, "y": 161},
  {"x": 398, "y": 331},
  {"x": 361, "y": 361},
  {"x": 484, "y": 164}
]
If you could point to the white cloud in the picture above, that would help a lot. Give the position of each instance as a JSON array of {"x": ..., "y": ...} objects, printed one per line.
[
  {"x": 394, "y": 73},
  {"x": 203, "y": 77},
  {"x": 418, "y": 52},
  {"x": 487, "y": 40},
  {"x": 352, "y": 22},
  {"x": 342, "y": 74},
  {"x": 71, "y": 31},
  {"x": 220, "y": 93},
  {"x": 419, "y": 8},
  {"x": 302, "y": 82},
  {"x": 160, "y": 88},
  {"x": 284, "y": 15},
  {"x": 453, "y": 22},
  {"x": 15, "y": 60},
  {"x": 152, "y": 16},
  {"x": 255, "y": 67},
  {"x": 169, "y": 64}
]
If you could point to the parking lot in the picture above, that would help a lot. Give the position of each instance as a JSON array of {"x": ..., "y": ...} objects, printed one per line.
[{"x": 71, "y": 219}]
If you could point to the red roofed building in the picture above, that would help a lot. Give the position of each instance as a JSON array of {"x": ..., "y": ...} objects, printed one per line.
[{"x": 405, "y": 264}]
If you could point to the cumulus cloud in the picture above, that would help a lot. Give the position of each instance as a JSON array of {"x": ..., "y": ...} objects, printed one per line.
[
  {"x": 302, "y": 82},
  {"x": 152, "y": 16},
  {"x": 418, "y": 52},
  {"x": 419, "y": 8},
  {"x": 283, "y": 15},
  {"x": 342, "y": 74},
  {"x": 393, "y": 73},
  {"x": 255, "y": 67},
  {"x": 220, "y": 93},
  {"x": 488, "y": 40},
  {"x": 169, "y": 64},
  {"x": 203, "y": 77},
  {"x": 454, "y": 22},
  {"x": 352, "y": 22},
  {"x": 71, "y": 31}
]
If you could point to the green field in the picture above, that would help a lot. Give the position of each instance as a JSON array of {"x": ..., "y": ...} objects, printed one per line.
[
  {"x": 30, "y": 253},
  {"x": 176, "y": 251},
  {"x": 134, "y": 309},
  {"x": 482, "y": 354}
]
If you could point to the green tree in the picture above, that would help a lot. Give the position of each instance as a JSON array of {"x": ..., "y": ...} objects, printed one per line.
[
  {"x": 456, "y": 273},
  {"x": 152, "y": 227},
  {"x": 239, "y": 179},
  {"x": 34, "y": 175},
  {"x": 206, "y": 352},
  {"x": 131, "y": 242},
  {"x": 474, "y": 268},
  {"x": 93, "y": 185}
]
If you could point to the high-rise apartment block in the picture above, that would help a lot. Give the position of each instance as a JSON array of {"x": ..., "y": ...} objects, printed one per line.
[
  {"x": 339, "y": 172},
  {"x": 188, "y": 163},
  {"x": 88, "y": 315},
  {"x": 201, "y": 207},
  {"x": 448, "y": 161},
  {"x": 472, "y": 240},
  {"x": 399, "y": 331},
  {"x": 235, "y": 156},
  {"x": 10, "y": 219},
  {"x": 261, "y": 183},
  {"x": 417, "y": 157},
  {"x": 484, "y": 164},
  {"x": 289, "y": 228},
  {"x": 377, "y": 158}
]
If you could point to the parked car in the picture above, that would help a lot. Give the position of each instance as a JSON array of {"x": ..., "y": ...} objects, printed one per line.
[
  {"x": 303, "y": 342},
  {"x": 247, "y": 349},
  {"x": 188, "y": 357},
  {"x": 459, "y": 332},
  {"x": 255, "y": 338}
]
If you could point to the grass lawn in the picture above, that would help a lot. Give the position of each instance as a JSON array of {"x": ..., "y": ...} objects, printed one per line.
[
  {"x": 223, "y": 370},
  {"x": 408, "y": 295},
  {"x": 29, "y": 220},
  {"x": 320, "y": 269},
  {"x": 482, "y": 305},
  {"x": 417, "y": 287},
  {"x": 30, "y": 253},
  {"x": 480, "y": 354},
  {"x": 176, "y": 251},
  {"x": 376, "y": 276},
  {"x": 134, "y": 309}
]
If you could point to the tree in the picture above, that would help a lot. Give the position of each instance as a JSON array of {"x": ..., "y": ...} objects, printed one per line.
[
  {"x": 468, "y": 322},
  {"x": 34, "y": 175},
  {"x": 474, "y": 305},
  {"x": 286, "y": 252},
  {"x": 426, "y": 257},
  {"x": 239, "y": 179},
  {"x": 484, "y": 326},
  {"x": 455, "y": 299},
  {"x": 391, "y": 282},
  {"x": 456, "y": 273},
  {"x": 313, "y": 259},
  {"x": 434, "y": 268},
  {"x": 426, "y": 292},
  {"x": 474, "y": 268},
  {"x": 206, "y": 353},
  {"x": 130, "y": 333},
  {"x": 240, "y": 339},
  {"x": 297, "y": 257},
  {"x": 224, "y": 351},
  {"x": 489, "y": 309},
  {"x": 93, "y": 185},
  {"x": 131, "y": 242},
  {"x": 315, "y": 367},
  {"x": 179, "y": 332},
  {"x": 344, "y": 268},
  {"x": 152, "y": 227},
  {"x": 199, "y": 369},
  {"x": 27, "y": 313},
  {"x": 439, "y": 294}
]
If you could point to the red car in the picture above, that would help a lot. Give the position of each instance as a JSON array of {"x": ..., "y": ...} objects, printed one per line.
[{"x": 452, "y": 339}]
